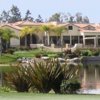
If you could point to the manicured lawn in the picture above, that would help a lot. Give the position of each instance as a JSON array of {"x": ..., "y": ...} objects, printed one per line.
[
  {"x": 32, "y": 96},
  {"x": 8, "y": 58}
]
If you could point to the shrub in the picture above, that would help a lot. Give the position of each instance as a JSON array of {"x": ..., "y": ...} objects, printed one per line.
[
  {"x": 38, "y": 55},
  {"x": 96, "y": 53},
  {"x": 43, "y": 75},
  {"x": 73, "y": 55},
  {"x": 78, "y": 52},
  {"x": 46, "y": 75},
  {"x": 5, "y": 89},
  {"x": 86, "y": 53},
  {"x": 10, "y": 51},
  {"x": 70, "y": 86},
  {"x": 60, "y": 54},
  {"x": 18, "y": 79}
]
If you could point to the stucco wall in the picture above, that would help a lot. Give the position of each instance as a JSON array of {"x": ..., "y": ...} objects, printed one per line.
[{"x": 74, "y": 32}]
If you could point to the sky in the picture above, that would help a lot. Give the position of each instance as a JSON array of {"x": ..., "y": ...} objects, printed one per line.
[{"x": 46, "y": 8}]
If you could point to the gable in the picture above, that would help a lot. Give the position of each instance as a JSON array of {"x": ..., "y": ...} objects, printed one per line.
[{"x": 89, "y": 27}]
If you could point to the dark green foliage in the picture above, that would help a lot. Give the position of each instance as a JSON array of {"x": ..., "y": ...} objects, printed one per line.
[
  {"x": 78, "y": 52},
  {"x": 28, "y": 16},
  {"x": 10, "y": 51},
  {"x": 96, "y": 53},
  {"x": 72, "y": 55},
  {"x": 70, "y": 86},
  {"x": 18, "y": 79},
  {"x": 39, "y": 19},
  {"x": 15, "y": 14},
  {"x": 55, "y": 17},
  {"x": 46, "y": 75},
  {"x": 38, "y": 55},
  {"x": 60, "y": 54},
  {"x": 4, "y": 16},
  {"x": 86, "y": 53},
  {"x": 43, "y": 75}
]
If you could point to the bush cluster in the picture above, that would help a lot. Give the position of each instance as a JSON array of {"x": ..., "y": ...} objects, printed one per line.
[{"x": 41, "y": 75}]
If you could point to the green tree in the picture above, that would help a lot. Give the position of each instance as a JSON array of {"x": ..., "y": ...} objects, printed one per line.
[
  {"x": 86, "y": 19},
  {"x": 28, "y": 16},
  {"x": 58, "y": 30},
  {"x": 7, "y": 35},
  {"x": 24, "y": 32},
  {"x": 47, "y": 29},
  {"x": 15, "y": 14},
  {"x": 39, "y": 19},
  {"x": 55, "y": 17},
  {"x": 5, "y": 16},
  {"x": 79, "y": 18}
]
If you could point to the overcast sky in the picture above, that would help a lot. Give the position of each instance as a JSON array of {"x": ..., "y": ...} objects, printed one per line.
[{"x": 46, "y": 8}]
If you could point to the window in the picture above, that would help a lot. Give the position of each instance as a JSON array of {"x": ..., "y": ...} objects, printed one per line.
[{"x": 70, "y": 27}]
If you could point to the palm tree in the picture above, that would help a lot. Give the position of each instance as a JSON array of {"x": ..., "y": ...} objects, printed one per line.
[
  {"x": 47, "y": 29},
  {"x": 7, "y": 35},
  {"x": 59, "y": 30},
  {"x": 24, "y": 32},
  {"x": 35, "y": 29}
]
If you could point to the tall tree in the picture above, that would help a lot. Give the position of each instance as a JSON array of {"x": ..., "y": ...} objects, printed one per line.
[
  {"x": 86, "y": 19},
  {"x": 55, "y": 17},
  {"x": 5, "y": 16},
  {"x": 70, "y": 18},
  {"x": 28, "y": 16},
  {"x": 79, "y": 18},
  {"x": 39, "y": 19},
  {"x": 15, "y": 14}
]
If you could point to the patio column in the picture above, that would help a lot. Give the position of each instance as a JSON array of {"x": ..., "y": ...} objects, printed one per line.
[
  {"x": 48, "y": 39},
  {"x": 70, "y": 40},
  {"x": 95, "y": 42},
  {"x": 83, "y": 40},
  {"x": 78, "y": 39}
]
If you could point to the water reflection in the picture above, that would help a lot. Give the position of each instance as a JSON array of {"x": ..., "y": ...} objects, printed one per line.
[{"x": 91, "y": 75}]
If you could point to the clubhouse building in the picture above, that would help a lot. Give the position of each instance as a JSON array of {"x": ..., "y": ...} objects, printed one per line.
[{"x": 86, "y": 34}]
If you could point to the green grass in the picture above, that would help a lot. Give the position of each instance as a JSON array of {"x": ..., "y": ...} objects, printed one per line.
[
  {"x": 32, "y": 96},
  {"x": 8, "y": 58}
]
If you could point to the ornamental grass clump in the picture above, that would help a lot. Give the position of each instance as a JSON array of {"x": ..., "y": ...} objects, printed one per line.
[
  {"x": 18, "y": 79},
  {"x": 42, "y": 75}
]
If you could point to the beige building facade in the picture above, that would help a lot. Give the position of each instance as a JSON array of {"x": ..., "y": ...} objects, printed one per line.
[{"x": 86, "y": 34}]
